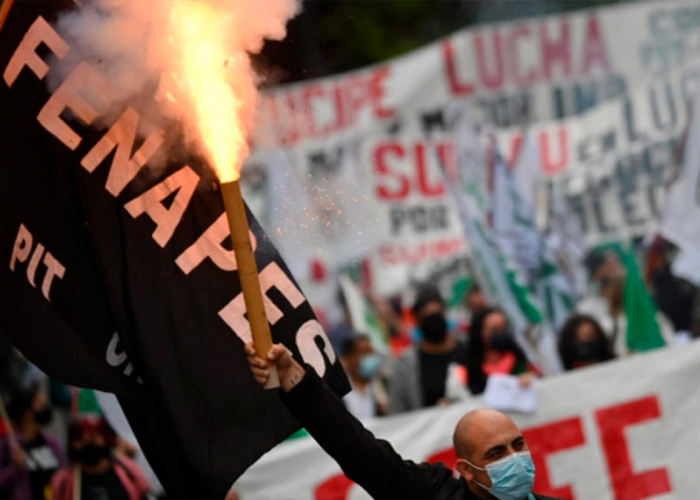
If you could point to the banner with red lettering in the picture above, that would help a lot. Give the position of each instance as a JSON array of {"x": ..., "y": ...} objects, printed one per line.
[
  {"x": 627, "y": 429},
  {"x": 417, "y": 235},
  {"x": 611, "y": 167},
  {"x": 513, "y": 74},
  {"x": 613, "y": 164},
  {"x": 382, "y": 201},
  {"x": 516, "y": 72}
]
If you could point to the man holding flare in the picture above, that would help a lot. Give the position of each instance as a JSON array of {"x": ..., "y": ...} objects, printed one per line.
[{"x": 493, "y": 458}]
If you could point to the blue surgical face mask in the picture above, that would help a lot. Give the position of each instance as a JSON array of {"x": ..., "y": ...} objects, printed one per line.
[
  {"x": 369, "y": 365},
  {"x": 512, "y": 477}
]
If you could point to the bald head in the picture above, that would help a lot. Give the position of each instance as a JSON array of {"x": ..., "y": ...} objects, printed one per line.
[{"x": 482, "y": 434}]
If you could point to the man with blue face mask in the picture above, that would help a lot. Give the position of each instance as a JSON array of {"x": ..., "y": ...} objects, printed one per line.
[
  {"x": 367, "y": 398},
  {"x": 492, "y": 456},
  {"x": 493, "y": 459}
]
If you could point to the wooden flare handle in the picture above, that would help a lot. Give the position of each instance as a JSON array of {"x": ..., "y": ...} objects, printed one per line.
[
  {"x": 248, "y": 273},
  {"x": 5, "y": 11}
]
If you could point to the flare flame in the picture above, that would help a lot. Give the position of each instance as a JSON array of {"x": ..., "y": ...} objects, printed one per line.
[
  {"x": 197, "y": 52},
  {"x": 206, "y": 73}
]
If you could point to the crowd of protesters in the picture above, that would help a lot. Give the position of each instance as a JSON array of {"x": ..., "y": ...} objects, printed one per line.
[
  {"x": 45, "y": 453},
  {"x": 434, "y": 360},
  {"x": 50, "y": 450}
]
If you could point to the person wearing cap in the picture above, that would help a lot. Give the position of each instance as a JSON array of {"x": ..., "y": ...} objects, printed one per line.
[
  {"x": 103, "y": 473},
  {"x": 28, "y": 462},
  {"x": 493, "y": 459}
]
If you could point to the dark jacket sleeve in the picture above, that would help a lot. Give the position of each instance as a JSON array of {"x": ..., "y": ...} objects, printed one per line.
[{"x": 370, "y": 462}]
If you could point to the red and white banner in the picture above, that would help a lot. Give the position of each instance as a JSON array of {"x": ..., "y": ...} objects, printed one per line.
[
  {"x": 358, "y": 143},
  {"x": 625, "y": 430},
  {"x": 417, "y": 234},
  {"x": 518, "y": 72},
  {"x": 612, "y": 164}
]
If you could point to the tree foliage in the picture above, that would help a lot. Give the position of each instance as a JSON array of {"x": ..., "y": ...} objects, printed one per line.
[{"x": 333, "y": 36}]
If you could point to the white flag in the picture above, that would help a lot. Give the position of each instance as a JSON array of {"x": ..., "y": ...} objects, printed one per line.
[
  {"x": 680, "y": 223},
  {"x": 498, "y": 276}
]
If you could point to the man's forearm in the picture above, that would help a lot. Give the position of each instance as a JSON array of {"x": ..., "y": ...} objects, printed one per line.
[{"x": 292, "y": 377}]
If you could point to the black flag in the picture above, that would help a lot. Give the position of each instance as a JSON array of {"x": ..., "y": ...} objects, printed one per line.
[{"x": 118, "y": 276}]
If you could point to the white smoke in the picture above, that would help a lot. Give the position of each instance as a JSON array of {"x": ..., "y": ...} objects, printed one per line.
[{"x": 133, "y": 45}]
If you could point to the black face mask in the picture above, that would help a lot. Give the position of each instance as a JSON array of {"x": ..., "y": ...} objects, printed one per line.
[
  {"x": 502, "y": 341},
  {"x": 43, "y": 417},
  {"x": 434, "y": 328},
  {"x": 91, "y": 454},
  {"x": 589, "y": 350}
]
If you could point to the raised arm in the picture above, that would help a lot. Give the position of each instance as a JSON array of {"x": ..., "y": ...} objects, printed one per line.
[{"x": 370, "y": 462}]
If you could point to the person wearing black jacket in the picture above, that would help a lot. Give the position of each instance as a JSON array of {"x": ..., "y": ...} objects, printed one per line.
[{"x": 493, "y": 459}]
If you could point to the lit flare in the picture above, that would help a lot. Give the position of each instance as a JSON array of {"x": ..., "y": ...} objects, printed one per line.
[{"x": 199, "y": 31}]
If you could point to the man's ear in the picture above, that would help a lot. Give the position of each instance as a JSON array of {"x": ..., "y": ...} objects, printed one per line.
[{"x": 464, "y": 470}]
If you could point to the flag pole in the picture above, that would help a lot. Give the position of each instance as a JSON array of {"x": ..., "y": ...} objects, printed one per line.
[
  {"x": 248, "y": 273},
  {"x": 5, "y": 11}
]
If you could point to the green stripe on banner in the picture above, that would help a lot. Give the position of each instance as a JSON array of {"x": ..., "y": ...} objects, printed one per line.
[
  {"x": 301, "y": 433},
  {"x": 87, "y": 402}
]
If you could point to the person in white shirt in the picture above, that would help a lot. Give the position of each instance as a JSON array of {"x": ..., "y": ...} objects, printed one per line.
[{"x": 366, "y": 399}]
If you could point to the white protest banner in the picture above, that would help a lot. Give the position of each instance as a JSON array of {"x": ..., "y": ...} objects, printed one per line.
[
  {"x": 384, "y": 195},
  {"x": 513, "y": 73},
  {"x": 576, "y": 61},
  {"x": 525, "y": 245},
  {"x": 624, "y": 430},
  {"x": 517, "y": 73},
  {"x": 564, "y": 278},
  {"x": 681, "y": 219},
  {"x": 501, "y": 277},
  {"x": 687, "y": 265},
  {"x": 612, "y": 164},
  {"x": 382, "y": 200},
  {"x": 417, "y": 231}
]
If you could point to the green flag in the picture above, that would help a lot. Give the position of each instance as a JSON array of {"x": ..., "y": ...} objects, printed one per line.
[
  {"x": 87, "y": 402},
  {"x": 643, "y": 331}
]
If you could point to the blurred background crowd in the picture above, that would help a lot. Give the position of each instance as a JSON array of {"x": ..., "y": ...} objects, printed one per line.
[{"x": 440, "y": 354}]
